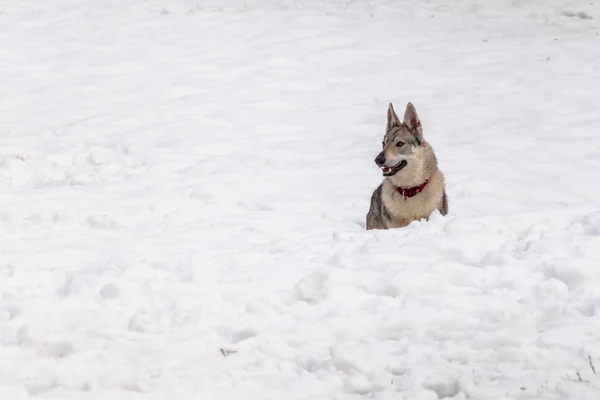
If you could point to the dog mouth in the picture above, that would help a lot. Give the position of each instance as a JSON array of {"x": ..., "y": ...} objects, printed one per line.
[{"x": 393, "y": 170}]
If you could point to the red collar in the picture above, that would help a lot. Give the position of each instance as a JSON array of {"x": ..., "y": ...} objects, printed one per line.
[{"x": 412, "y": 191}]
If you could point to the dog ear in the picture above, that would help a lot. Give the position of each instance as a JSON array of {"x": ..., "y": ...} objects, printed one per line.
[
  {"x": 411, "y": 119},
  {"x": 392, "y": 119}
]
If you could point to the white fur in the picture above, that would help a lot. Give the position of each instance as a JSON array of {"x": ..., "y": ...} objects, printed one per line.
[{"x": 404, "y": 210}]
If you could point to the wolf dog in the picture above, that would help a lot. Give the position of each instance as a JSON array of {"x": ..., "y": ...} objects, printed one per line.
[{"x": 413, "y": 185}]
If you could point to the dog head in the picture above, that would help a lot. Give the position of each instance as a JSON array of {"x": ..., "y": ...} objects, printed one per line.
[{"x": 405, "y": 154}]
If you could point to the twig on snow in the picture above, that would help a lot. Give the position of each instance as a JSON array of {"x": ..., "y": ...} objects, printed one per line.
[
  {"x": 226, "y": 352},
  {"x": 592, "y": 364}
]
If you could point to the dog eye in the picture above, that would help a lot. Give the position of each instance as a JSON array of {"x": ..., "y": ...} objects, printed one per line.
[{"x": 400, "y": 144}]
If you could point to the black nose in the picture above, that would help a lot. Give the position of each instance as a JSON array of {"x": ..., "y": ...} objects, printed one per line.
[{"x": 380, "y": 159}]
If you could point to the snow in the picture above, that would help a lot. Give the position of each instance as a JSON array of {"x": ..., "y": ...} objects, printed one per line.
[{"x": 183, "y": 187}]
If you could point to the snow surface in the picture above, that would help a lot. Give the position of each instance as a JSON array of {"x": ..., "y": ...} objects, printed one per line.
[{"x": 183, "y": 188}]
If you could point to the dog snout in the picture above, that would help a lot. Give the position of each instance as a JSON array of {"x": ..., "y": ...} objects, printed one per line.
[{"x": 380, "y": 159}]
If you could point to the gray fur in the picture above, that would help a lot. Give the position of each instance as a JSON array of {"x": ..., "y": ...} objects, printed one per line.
[
  {"x": 444, "y": 207},
  {"x": 377, "y": 211},
  {"x": 404, "y": 141}
]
